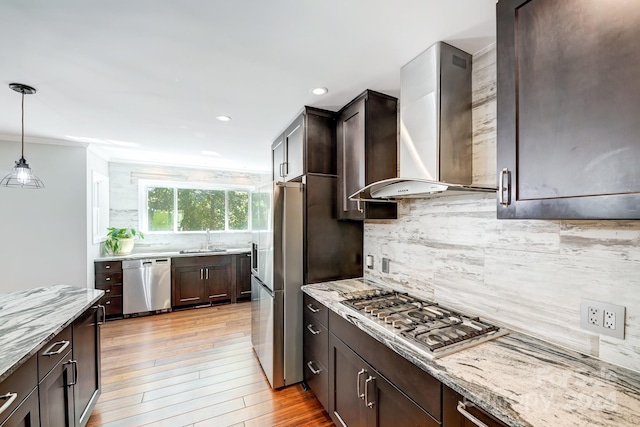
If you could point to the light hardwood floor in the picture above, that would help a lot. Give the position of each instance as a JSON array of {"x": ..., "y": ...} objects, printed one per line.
[{"x": 193, "y": 368}]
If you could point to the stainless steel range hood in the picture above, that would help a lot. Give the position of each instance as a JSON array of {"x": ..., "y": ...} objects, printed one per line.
[{"x": 435, "y": 128}]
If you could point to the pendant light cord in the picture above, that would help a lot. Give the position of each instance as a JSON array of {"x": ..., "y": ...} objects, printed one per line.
[{"x": 23, "y": 124}]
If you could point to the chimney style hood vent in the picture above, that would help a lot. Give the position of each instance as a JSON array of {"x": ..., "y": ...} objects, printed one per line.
[{"x": 435, "y": 128}]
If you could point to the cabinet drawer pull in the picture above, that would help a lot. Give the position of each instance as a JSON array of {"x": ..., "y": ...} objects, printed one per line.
[
  {"x": 360, "y": 395},
  {"x": 10, "y": 397},
  {"x": 106, "y": 267},
  {"x": 107, "y": 279},
  {"x": 312, "y": 308},
  {"x": 462, "y": 408},
  {"x": 106, "y": 291},
  {"x": 108, "y": 302},
  {"x": 369, "y": 380},
  {"x": 310, "y": 366},
  {"x": 189, "y": 299},
  {"x": 217, "y": 295},
  {"x": 245, "y": 292},
  {"x": 310, "y": 328},
  {"x": 50, "y": 352},
  {"x": 502, "y": 188}
]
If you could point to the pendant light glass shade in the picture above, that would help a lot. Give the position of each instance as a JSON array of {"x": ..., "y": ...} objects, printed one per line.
[{"x": 21, "y": 175}]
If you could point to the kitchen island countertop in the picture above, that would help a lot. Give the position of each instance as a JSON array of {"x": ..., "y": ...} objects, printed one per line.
[
  {"x": 30, "y": 318},
  {"x": 519, "y": 379},
  {"x": 172, "y": 254}
]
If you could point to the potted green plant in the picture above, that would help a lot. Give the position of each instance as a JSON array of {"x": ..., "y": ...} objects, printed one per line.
[{"x": 120, "y": 240}]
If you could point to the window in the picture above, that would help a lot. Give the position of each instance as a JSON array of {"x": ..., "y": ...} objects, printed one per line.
[{"x": 178, "y": 208}]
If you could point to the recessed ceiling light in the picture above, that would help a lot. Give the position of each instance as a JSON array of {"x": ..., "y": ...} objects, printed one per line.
[
  {"x": 319, "y": 91},
  {"x": 210, "y": 153},
  {"x": 223, "y": 118}
]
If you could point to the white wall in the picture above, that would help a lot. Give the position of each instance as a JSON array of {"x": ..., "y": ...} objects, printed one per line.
[
  {"x": 95, "y": 163},
  {"x": 44, "y": 231}
]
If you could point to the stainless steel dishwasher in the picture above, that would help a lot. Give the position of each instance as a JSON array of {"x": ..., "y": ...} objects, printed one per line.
[{"x": 146, "y": 285}]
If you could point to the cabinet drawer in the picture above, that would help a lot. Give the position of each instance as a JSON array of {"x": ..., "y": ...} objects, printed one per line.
[
  {"x": 111, "y": 290},
  {"x": 318, "y": 311},
  {"x": 109, "y": 278},
  {"x": 316, "y": 339},
  {"x": 112, "y": 305},
  {"x": 18, "y": 384},
  {"x": 53, "y": 352},
  {"x": 317, "y": 378},
  {"x": 201, "y": 261},
  {"x": 108, "y": 266}
]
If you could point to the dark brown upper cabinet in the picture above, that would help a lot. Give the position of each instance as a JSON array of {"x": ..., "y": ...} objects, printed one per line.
[
  {"x": 308, "y": 145},
  {"x": 568, "y": 109},
  {"x": 367, "y": 135}
]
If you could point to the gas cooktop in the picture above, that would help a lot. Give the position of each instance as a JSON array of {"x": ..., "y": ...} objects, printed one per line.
[{"x": 429, "y": 327}]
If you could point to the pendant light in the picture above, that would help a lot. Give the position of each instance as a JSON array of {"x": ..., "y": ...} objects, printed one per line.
[{"x": 21, "y": 176}]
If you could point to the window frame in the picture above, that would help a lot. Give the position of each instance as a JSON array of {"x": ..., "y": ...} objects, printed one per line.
[{"x": 144, "y": 185}]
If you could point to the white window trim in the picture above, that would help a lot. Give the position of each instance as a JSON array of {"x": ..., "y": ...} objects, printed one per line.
[
  {"x": 99, "y": 206},
  {"x": 144, "y": 184}
]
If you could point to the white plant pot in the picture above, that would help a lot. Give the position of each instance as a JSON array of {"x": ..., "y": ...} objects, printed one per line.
[{"x": 126, "y": 246}]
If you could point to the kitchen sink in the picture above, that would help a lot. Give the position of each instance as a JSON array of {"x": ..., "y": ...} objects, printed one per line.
[{"x": 201, "y": 251}]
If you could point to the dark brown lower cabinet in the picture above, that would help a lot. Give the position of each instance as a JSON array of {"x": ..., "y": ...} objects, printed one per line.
[
  {"x": 27, "y": 414},
  {"x": 243, "y": 276},
  {"x": 55, "y": 393},
  {"x": 202, "y": 280},
  {"x": 455, "y": 406},
  {"x": 361, "y": 396},
  {"x": 86, "y": 355}
]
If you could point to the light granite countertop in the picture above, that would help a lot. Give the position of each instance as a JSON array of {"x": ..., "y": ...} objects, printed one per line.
[
  {"x": 30, "y": 318},
  {"x": 174, "y": 254},
  {"x": 524, "y": 381}
]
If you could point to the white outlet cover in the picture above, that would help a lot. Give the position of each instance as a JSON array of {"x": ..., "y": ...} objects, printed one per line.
[{"x": 618, "y": 310}]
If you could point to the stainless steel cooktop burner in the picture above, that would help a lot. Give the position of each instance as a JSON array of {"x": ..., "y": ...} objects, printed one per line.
[{"x": 425, "y": 325}]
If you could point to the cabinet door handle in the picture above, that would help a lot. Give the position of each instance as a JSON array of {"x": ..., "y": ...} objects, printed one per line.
[
  {"x": 189, "y": 299},
  {"x": 50, "y": 352},
  {"x": 207, "y": 276},
  {"x": 281, "y": 170},
  {"x": 312, "y": 308},
  {"x": 369, "y": 380},
  {"x": 202, "y": 274},
  {"x": 310, "y": 328},
  {"x": 245, "y": 292},
  {"x": 502, "y": 188},
  {"x": 360, "y": 395},
  {"x": 104, "y": 312},
  {"x": 310, "y": 366},
  {"x": 217, "y": 295},
  {"x": 10, "y": 397},
  {"x": 74, "y": 363},
  {"x": 462, "y": 408}
]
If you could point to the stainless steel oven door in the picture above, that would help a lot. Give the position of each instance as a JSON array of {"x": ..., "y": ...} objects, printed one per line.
[{"x": 267, "y": 331}]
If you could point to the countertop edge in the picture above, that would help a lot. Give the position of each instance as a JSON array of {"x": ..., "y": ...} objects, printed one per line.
[
  {"x": 171, "y": 254},
  {"x": 14, "y": 367}
]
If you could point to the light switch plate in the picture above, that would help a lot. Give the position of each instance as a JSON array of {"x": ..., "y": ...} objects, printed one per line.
[{"x": 602, "y": 317}]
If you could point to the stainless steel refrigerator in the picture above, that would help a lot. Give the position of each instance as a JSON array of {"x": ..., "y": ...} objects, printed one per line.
[{"x": 277, "y": 275}]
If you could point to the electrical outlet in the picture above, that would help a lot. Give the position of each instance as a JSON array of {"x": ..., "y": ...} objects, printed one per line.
[
  {"x": 385, "y": 265},
  {"x": 609, "y": 319},
  {"x": 602, "y": 318},
  {"x": 595, "y": 316}
]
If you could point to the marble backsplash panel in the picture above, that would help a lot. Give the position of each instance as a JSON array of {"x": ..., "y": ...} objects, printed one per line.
[
  {"x": 124, "y": 205},
  {"x": 528, "y": 275}
]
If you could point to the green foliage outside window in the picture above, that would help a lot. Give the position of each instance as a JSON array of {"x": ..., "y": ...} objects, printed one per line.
[
  {"x": 160, "y": 208},
  {"x": 197, "y": 210}
]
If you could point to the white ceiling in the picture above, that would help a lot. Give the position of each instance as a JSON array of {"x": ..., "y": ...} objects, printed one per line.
[{"x": 154, "y": 74}]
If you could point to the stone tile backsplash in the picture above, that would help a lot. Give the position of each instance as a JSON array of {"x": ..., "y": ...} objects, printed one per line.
[{"x": 529, "y": 275}]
